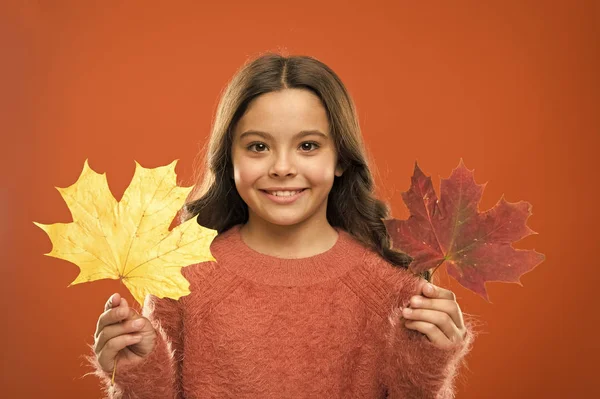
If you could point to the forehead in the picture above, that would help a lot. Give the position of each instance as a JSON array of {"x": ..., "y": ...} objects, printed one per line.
[{"x": 284, "y": 112}]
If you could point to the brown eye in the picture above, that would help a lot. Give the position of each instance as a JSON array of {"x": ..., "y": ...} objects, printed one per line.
[
  {"x": 258, "y": 147},
  {"x": 307, "y": 146}
]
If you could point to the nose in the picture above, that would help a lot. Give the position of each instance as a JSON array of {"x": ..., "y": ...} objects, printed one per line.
[{"x": 283, "y": 165}]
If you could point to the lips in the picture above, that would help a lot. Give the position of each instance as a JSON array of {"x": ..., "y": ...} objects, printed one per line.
[
  {"x": 284, "y": 193},
  {"x": 284, "y": 197}
]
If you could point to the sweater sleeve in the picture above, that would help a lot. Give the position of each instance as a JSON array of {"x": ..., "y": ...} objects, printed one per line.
[
  {"x": 414, "y": 367},
  {"x": 159, "y": 374}
]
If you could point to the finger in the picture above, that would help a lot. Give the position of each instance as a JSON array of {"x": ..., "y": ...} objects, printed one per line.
[
  {"x": 112, "y": 316},
  {"x": 433, "y": 333},
  {"x": 114, "y": 345},
  {"x": 433, "y": 291},
  {"x": 123, "y": 303},
  {"x": 126, "y": 304},
  {"x": 115, "y": 330},
  {"x": 112, "y": 301},
  {"x": 443, "y": 305},
  {"x": 441, "y": 320}
]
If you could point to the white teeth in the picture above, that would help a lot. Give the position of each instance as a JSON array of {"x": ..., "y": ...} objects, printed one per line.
[{"x": 283, "y": 193}]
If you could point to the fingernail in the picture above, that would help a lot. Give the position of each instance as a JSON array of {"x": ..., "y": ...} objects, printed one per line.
[
  {"x": 407, "y": 311},
  {"x": 138, "y": 323},
  {"x": 122, "y": 312},
  {"x": 416, "y": 301},
  {"x": 429, "y": 288}
]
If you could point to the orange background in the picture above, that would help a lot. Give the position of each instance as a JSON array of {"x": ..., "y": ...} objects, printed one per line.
[{"x": 511, "y": 87}]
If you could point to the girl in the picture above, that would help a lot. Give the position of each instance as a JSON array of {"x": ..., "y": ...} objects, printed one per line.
[{"x": 306, "y": 298}]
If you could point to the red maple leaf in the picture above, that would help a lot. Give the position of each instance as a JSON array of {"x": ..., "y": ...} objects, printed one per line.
[{"x": 476, "y": 247}]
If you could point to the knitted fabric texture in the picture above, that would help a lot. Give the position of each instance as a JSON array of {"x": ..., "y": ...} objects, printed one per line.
[{"x": 258, "y": 326}]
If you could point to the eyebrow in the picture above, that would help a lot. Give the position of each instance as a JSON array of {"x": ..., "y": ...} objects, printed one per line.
[{"x": 297, "y": 135}]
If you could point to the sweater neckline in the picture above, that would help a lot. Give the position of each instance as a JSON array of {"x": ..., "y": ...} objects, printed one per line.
[{"x": 232, "y": 253}]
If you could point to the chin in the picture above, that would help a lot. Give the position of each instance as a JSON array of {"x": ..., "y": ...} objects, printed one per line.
[{"x": 284, "y": 221}]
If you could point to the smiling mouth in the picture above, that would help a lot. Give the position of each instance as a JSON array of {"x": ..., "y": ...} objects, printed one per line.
[{"x": 283, "y": 193}]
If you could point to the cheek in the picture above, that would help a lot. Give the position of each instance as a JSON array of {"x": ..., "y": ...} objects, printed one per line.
[
  {"x": 319, "y": 172},
  {"x": 246, "y": 173}
]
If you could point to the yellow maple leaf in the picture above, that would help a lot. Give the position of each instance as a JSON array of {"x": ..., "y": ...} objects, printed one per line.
[{"x": 130, "y": 239}]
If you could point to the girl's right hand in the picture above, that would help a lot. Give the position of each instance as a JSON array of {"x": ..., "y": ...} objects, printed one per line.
[{"x": 121, "y": 330}]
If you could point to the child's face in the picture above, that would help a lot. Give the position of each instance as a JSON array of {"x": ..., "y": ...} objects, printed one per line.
[{"x": 280, "y": 157}]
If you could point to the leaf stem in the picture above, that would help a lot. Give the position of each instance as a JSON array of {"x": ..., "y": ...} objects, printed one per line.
[
  {"x": 112, "y": 381},
  {"x": 437, "y": 267}
]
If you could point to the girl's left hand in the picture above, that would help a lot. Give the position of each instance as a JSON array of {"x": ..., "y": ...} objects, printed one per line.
[{"x": 437, "y": 315}]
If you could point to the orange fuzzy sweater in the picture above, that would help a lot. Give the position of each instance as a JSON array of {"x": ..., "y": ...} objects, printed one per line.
[{"x": 257, "y": 326}]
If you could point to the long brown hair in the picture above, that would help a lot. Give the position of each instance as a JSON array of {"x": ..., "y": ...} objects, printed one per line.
[{"x": 351, "y": 204}]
